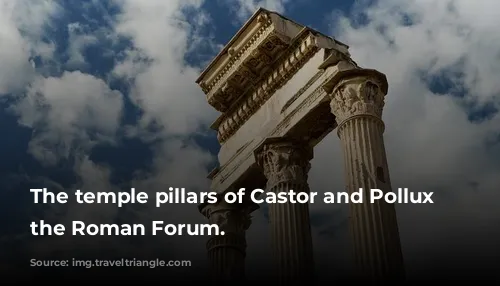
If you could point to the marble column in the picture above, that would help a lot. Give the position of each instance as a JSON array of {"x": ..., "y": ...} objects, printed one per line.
[
  {"x": 286, "y": 164},
  {"x": 357, "y": 102},
  {"x": 227, "y": 252}
]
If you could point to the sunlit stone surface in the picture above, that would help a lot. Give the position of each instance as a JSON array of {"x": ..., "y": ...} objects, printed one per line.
[{"x": 281, "y": 88}]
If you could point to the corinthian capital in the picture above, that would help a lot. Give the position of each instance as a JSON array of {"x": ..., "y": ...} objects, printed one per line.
[
  {"x": 361, "y": 95},
  {"x": 230, "y": 218},
  {"x": 284, "y": 161}
]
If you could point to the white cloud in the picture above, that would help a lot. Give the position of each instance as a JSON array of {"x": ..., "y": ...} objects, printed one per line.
[
  {"x": 68, "y": 113},
  {"x": 72, "y": 112},
  {"x": 164, "y": 89},
  {"x": 245, "y": 8},
  {"x": 78, "y": 41},
  {"x": 431, "y": 143},
  {"x": 21, "y": 29},
  {"x": 165, "y": 86}
]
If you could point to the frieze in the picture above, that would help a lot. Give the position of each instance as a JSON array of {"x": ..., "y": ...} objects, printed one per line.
[
  {"x": 315, "y": 96},
  {"x": 302, "y": 90},
  {"x": 298, "y": 55},
  {"x": 225, "y": 172},
  {"x": 319, "y": 94}
]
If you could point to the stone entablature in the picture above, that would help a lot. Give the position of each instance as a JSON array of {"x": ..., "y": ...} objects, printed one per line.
[
  {"x": 300, "y": 51},
  {"x": 237, "y": 161},
  {"x": 243, "y": 61},
  {"x": 263, "y": 56},
  {"x": 282, "y": 87}
]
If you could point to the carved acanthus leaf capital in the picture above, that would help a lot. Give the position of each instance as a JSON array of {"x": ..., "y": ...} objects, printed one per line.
[
  {"x": 357, "y": 96},
  {"x": 230, "y": 219},
  {"x": 285, "y": 161}
]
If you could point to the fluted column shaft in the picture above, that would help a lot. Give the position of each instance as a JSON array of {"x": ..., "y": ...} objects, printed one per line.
[
  {"x": 227, "y": 252},
  {"x": 286, "y": 165},
  {"x": 357, "y": 104}
]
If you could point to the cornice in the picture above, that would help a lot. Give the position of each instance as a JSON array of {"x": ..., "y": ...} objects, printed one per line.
[
  {"x": 299, "y": 52},
  {"x": 232, "y": 79},
  {"x": 225, "y": 49}
]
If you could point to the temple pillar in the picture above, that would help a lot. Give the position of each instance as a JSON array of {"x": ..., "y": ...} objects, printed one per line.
[
  {"x": 227, "y": 252},
  {"x": 286, "y": 164},
  {"x": 357, "y": 102}
]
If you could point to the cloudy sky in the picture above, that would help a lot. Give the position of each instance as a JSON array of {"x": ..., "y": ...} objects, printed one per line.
[{"x": 100, "y": 95}]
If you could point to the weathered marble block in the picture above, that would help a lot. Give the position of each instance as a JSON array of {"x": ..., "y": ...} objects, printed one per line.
[{"x": 269, "y": 81}]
